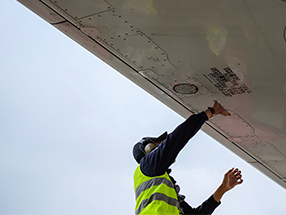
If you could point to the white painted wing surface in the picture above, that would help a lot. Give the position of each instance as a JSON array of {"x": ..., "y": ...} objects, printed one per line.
[{"x": 189, "y": 53}]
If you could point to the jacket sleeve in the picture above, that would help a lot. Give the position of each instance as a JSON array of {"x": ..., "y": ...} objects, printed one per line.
[
  {"x": 207, "y": 207},
  {"x": 158, "y": 161}
]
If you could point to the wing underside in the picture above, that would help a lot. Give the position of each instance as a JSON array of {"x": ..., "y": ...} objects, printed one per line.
[{"x": 189, "y": 53}]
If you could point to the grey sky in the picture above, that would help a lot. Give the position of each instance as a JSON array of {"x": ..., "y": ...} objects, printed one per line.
[{"x": 68, "y": 123}]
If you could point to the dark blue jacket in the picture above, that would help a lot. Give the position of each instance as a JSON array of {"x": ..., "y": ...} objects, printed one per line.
[{"x": 159, "y": 160}]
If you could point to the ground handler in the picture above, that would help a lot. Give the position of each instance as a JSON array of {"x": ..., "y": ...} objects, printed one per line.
[{"x": 156, "y": 191}]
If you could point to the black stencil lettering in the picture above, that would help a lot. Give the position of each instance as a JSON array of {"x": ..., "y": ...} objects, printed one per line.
[{"x": 228, "y": 83}]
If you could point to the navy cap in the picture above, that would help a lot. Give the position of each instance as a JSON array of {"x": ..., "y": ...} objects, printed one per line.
[{"x": 139, "y": 148}]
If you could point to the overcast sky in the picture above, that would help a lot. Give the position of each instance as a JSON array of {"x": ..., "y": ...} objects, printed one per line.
[{"x": 68, "y": 123}]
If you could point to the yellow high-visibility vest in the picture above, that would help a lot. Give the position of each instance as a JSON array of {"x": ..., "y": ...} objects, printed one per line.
[{"x": 155, "y": 195}]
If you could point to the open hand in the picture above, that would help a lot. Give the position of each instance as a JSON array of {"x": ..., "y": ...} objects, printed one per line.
[
  {"x": 219, "y": 109},
  {"x": 232, "y": 178}
]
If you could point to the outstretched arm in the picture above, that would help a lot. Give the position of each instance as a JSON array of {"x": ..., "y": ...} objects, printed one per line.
[
  {"x": 232, "y": 178},
  {"x": 159, "y": 160}
]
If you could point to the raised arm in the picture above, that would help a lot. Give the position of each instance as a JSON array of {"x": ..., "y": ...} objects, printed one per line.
[{"x": 159, "y": 160}]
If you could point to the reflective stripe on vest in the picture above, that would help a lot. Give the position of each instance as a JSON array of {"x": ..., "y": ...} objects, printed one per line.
[
  {"x": 155, "y": 195},
  {"x": 150, "y": 183},
  {"x": 158, "y": 197}
]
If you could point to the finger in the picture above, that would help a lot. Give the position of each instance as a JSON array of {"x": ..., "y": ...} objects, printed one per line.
[
  {"x": 216, "y": 103},
  {"x": 234, "y": 172},
  {"x": 237, "y": 172},
  {"x": 226, "y": 113},
  {"x": 240, "y": 181},
  {"x": 229, "y": 171}
]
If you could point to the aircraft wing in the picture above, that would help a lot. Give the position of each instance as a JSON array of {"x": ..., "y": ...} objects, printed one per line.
[{"x": 189, "y": 53}]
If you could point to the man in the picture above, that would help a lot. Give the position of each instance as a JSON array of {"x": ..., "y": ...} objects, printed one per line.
[{"x": 155, "y": 190}]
